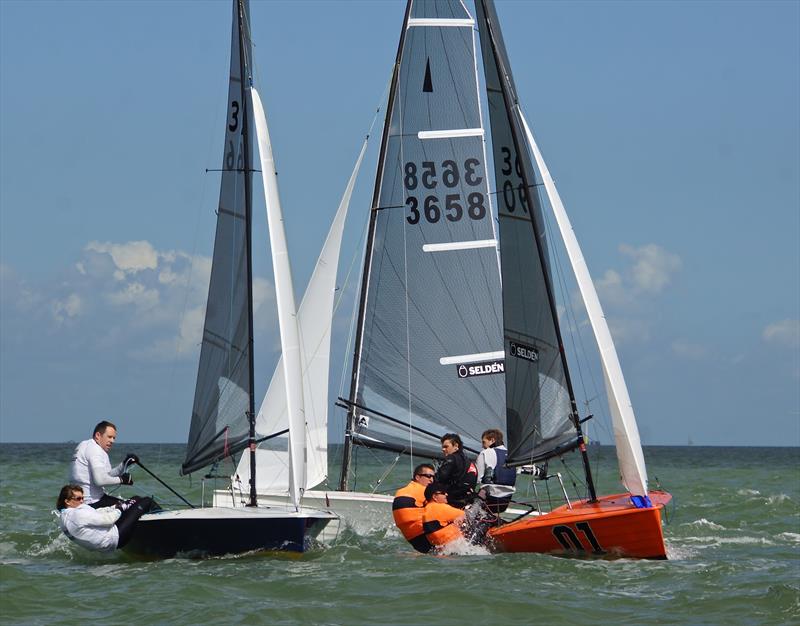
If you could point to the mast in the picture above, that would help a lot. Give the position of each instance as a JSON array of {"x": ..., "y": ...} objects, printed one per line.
[
  {"x": 247, "y": 81},
  {"x": 512, "y": 107},
  {"x": 351, "y": 417}
]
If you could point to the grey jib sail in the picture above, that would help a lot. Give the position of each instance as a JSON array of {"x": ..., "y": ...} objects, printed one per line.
[
  {"x": 223, "y": 391},
  {"x": 431, "y": 328},
  {"x": 538, "y": 398}
]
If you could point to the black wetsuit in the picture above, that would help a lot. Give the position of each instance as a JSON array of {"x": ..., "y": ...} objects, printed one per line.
[{"x": 460, "y": 476}]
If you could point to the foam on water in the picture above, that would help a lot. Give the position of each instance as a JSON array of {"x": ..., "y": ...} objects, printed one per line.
[
  {"x": 703, "y": 522},
  {"x": 462, "y": 546}
]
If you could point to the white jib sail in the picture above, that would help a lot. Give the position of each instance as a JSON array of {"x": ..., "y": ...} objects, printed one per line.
[
  {"x": 287, "y": 313},
  {"x": 315, "y": 316},
  {"x": 626, "y": 432}
]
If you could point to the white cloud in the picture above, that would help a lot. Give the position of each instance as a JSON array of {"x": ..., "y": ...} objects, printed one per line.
[
  {"x": 612, "y": 289},
  {"x": 653, "y": 266},
  {"x": 135, "y": 293},
  {"x": 651, "y": 271},
  {"x": 785, "y": 333},
  {"x": 130, "y": 257},
  {"x": 70, "y": 306}
]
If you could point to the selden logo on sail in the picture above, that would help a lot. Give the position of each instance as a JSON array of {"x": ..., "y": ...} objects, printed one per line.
[
  {"x": 521, "y": 351},
  {"x": 467, "y": 370}
]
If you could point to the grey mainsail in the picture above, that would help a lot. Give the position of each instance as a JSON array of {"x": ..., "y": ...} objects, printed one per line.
[
  {"x": 453, "y": 336},
  {"x": 223, "y": 392},
  {"x": 430, "y": 349}
]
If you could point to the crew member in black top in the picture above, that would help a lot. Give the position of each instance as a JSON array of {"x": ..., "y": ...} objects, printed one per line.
[{"x": 457, "y": 472}]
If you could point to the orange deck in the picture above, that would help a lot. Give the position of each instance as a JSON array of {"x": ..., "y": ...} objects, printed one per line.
[{"x": 609, "y": 527}]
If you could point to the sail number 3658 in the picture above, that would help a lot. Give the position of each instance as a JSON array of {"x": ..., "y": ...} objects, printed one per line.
[{"x": 453, "y": 208}]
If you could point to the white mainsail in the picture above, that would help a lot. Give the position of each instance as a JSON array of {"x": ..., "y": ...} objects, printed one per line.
[
  {"x": 626, "y": 432},
  {"x": 287, "y": 312}
]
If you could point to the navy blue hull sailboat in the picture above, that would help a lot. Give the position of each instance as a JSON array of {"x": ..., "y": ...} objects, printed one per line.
[{"x": 223, "y": 415}]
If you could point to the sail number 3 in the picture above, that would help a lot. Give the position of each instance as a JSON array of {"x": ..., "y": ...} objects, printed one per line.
[{"x": 426, "y": 176}]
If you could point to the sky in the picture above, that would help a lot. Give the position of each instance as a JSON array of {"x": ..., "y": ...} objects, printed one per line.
[{"x": 672, "y": 130}]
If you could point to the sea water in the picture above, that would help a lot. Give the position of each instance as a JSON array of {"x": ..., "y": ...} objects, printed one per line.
[{"x": 733, "y": 537}]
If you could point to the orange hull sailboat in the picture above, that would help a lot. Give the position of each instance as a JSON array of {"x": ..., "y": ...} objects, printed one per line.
[
  {"x": 458, "y": 325},
  {"x": 612, "y": 526}
]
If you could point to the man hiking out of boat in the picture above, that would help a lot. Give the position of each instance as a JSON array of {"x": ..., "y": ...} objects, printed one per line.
[
  {"x": 497, "y": 481},
  {"x": 409, "y": 505},
  {"x": 457, "y": 472},
  {"x": 103, "y": 529},
  {"x": 92, "y": 471}
]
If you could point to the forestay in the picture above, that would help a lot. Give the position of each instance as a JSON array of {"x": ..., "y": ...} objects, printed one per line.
[{"x": 430, "y": 355}]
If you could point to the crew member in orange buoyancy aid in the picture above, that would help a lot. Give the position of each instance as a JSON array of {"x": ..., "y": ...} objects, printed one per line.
[
  {"x": 408, "y": 507},
  {"x": 441, "y": 522}
]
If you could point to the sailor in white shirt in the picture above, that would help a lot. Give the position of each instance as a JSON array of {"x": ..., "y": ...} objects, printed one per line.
[
  {"x": 92, "y": 470},
  {"x": 104, "y": 529}
]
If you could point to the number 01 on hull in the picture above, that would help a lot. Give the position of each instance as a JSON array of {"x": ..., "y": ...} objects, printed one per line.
[{"x": 609, "y": 527}]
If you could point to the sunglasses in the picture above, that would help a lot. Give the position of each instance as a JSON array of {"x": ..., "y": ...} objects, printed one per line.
[
  {"x": 76, "y": 498},
  {"x": 427, "y": 475}
]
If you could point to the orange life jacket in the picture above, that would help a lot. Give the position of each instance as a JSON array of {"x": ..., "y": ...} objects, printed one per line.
[
  {"x": 438, "y": 523},
  {"x": 407, "y": 508}
]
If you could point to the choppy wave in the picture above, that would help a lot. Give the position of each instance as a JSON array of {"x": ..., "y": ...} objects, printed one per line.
[
  {"x": 718, "y": 541},
  {"x": 703, "y": 522}
]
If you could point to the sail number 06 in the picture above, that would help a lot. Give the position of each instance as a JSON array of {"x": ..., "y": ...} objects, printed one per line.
[{"x": 453, "y": 208}]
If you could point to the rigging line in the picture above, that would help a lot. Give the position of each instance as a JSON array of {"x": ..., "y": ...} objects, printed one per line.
[
  {"x": 575, "y": 481},
  {"x": 572, "y": 325},
  {"x": 405, "y": 286},
  {"x": 359, "y": 252},
  {"x": 576, "y": 337}
]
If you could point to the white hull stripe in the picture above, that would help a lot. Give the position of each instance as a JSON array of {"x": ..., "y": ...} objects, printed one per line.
[
  {"x": 447, "y": 134},
  {"x": 459, "y": 245},
  {"x": 438, "y": 22},
  {"x": 469, "y": 358}
]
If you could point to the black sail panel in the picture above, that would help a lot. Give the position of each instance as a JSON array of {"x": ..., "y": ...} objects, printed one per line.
[
  {"x": 219, "y": 424},
  {"x": 538, "y": 398},
  {"x": 431, "y": 336}
]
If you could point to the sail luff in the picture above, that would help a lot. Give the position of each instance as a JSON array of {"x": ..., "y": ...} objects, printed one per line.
[
  {"x": 626, "y": 432},
  {"x": 287, "y": 313}
]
